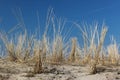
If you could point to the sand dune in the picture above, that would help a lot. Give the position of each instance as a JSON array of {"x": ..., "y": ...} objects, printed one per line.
[{"x": 20, "y": 71}]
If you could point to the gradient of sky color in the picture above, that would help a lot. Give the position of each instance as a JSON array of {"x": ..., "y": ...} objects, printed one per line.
[{"x": 88, "y": 11}]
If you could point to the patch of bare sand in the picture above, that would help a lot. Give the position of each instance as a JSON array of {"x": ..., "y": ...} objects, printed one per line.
[{"x": 17, "y": 71}]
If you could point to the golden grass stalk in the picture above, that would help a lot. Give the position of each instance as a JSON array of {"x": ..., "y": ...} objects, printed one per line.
[
  {"x": 45, "y": 46},
  {"x": 60, "y": 50},
  {"x": 54, "y": 58},
  {"x": 78, "y": 56},
  {"x": 57, "y": 55},
  {"x": 73, "y": 49},
  {"x": 103, "y": 58},
  {"x": 20, "y": 47},
  {"x": 11, "y": 52},
  {"x": 38, "y": 63},
  {"x": 28, "y": 44},
  {"x": 113, "y": 53}
]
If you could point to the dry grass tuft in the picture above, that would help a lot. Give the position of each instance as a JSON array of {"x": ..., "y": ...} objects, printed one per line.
[
  {"x": 113, "y": 53},
  {"x": 57, "y": 56},
  {"x": 54, "y": 48},
  {"x": 38, "y": 63},
  {"x": 72, "y": 53},
  {"x": 92, "y": 47},
  {"x": 98, "y": 50}
]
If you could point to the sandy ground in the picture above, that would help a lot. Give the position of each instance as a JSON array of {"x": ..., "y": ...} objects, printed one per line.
[{"x": 17, "y": 71}]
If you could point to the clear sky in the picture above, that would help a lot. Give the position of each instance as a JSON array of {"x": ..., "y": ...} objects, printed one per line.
[{"x": 88, "y": 11}]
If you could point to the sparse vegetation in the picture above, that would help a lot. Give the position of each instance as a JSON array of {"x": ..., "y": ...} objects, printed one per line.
[
  {"x": 53, "y": 49},
  {"x": 72, "y": 53}
]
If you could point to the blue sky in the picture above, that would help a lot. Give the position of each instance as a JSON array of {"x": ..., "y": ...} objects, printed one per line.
[{"x": 88, "y": 11}]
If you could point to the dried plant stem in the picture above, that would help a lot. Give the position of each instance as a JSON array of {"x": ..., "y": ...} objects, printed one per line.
[
  {"x": 72, "y": 53},
  {"x": 38, "y": 64}
]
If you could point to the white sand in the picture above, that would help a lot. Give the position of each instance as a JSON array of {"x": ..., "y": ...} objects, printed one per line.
[{"x": 15, "y": 71}]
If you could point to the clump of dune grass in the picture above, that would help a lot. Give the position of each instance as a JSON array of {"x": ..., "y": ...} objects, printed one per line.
[
  {"x": 103, "y": 58},
  {"x": 38, "y": 62},
  {"x": 57, "y": 56},
  {"x": 78, "y": 55},
  {"x": 45, "y": 46},
  {"x": 9, "y": 47},
  {"x": 93, "y": 43},
  {"x": 98, "y": 49},
  {"x": 113, "y": 53},
  {"x": 37, "y": 57},
  {"x": 71, "y": 58},
  {"x": 54, "y": 47},
  {"x": 18, "y": 47}
]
